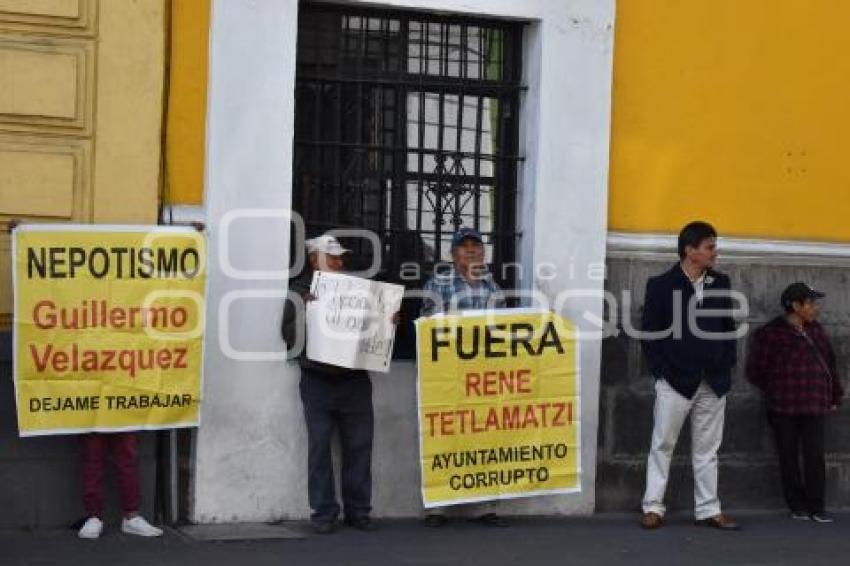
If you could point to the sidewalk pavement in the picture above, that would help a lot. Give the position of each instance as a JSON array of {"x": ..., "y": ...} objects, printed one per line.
[{"x": 766, "y": 538}]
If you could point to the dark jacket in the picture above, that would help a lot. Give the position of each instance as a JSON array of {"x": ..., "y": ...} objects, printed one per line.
[
  {"x": 687, "y": 359},
  {"x": 294, "y": 321},
  {"x": 798, "y": 374}
]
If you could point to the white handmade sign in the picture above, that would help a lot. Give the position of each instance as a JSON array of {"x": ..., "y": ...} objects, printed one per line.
[{"x": 350, "y": 321}]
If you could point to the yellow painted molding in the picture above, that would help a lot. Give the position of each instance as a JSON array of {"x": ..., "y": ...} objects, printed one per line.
[
  {"x": 187, "y": 101},
  {"x": 51, "y": 17},
  {"x": 47, "y": 84},
  {"x": 131, "y": 59}
]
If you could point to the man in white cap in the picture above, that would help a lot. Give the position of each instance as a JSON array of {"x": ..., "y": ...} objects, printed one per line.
[{"x": 334, "y": 398}]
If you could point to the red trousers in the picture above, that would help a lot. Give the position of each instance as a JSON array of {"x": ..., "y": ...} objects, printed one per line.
[{"x": 125, "y": 454}]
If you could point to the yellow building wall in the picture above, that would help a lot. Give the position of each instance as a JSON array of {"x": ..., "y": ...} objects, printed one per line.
[
  {"x": 81, "y": 92},
  {"x": 727, "y": 110},
  {"x": 187, "y": 101},
  {"x": 733, "y": 111}
]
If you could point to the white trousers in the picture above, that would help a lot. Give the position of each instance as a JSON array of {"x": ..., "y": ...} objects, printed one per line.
[{"x": 671, "y": 409}]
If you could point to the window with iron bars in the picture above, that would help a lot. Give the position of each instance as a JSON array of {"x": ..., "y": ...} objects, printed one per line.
[{"x": 406, "y": 124}]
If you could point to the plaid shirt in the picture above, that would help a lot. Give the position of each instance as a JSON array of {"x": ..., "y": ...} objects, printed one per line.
[
  {"x": 796, "y": 370},
  {"x": 447, "y": 292}
]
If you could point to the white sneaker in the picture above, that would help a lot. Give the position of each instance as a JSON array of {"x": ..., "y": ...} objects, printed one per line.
[
  {"x": 821, "y": 518},
  {"x": 139, "y": 527},
  {"x": 91, "y": 529}
]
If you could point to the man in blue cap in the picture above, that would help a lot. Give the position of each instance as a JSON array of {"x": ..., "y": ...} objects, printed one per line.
[{"x": 468, "y": 285}]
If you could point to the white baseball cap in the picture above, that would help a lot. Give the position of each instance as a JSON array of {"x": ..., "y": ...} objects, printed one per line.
[{"x": 326, "y": 244}]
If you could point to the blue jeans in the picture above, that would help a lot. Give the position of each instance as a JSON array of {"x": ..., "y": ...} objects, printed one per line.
[{"x": 343, "y": 403}]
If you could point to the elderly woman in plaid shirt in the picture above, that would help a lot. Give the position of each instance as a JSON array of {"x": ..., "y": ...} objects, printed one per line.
[{"x": 792, "y": 361}]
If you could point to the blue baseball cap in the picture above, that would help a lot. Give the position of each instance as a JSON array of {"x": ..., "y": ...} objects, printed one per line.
[{"x": 464, "y": 233}]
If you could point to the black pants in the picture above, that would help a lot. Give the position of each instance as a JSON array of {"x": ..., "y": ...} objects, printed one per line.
[
  {"x": 343, "y": 403},
  {"x": 796, "y": 434}
]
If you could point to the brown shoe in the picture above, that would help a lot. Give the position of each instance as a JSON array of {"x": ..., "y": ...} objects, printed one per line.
[
  {"x": 651, "y": 520},
  {"x": 722, "y": 521}
]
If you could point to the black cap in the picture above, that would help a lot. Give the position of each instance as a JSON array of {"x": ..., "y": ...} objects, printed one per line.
[{"x": 797, "y": 293}]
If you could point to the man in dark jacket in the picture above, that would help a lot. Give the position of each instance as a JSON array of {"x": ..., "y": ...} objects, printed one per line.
[
  {"x": 690, "y": 348},
  {"x": 334, "y": 398},
  {"x": 793, "y": 362}
]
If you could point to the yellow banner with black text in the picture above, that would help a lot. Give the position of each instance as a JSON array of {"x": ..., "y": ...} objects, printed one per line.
[
  {"x": 498, "y": 397},
  {"x": 108, "y": 327}
]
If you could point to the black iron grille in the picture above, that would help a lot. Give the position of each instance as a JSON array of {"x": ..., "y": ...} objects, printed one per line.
[{"x": 406, "y": 124}]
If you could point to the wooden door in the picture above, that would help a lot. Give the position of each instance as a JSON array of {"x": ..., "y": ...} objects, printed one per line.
[{"x": 81, "y": 94}]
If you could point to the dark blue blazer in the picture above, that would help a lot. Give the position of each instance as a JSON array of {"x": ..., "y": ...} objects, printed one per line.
[{"x": 684, "y": 359}]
